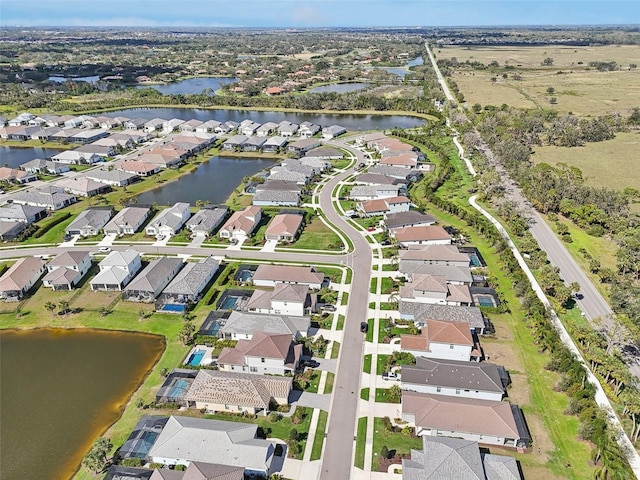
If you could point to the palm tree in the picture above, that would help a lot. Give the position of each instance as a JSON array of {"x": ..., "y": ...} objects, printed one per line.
[
  {"x": 50, "y": 306},
  {"x": 64, "y": 307}
]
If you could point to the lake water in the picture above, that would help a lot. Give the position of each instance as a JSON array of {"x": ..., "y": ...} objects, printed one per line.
[
  {"x": 16, "y": 156},
  {"x": 350, "y": 122},
  {"x": 402, "y": 71},
  {"x": 93, "y": 78},
  {"x": 61, "y": 388},
  {"x": 340, "y": 87},
  {"x": 213, "y": 181},
  {"x": 192, "y": 85}
]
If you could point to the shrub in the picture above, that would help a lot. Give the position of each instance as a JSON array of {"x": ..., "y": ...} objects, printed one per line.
[
  {"x": 384, "y": 452},
  {"x": 132, "y": 462},
  {"x": 275, "y": 417}
]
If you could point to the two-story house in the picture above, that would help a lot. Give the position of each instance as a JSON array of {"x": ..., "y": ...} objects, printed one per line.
[
  {"x": 67, "y": 269},
  {"x": 116, "y": 271},
  {"x": 444, "y": 340},
  {"x": 265, "y": 353}
]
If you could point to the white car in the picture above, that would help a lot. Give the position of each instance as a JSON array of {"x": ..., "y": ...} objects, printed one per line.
[{"x": 104, "y": 249}]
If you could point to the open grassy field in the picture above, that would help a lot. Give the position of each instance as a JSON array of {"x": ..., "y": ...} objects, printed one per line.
[
  {"x": 612, "y": 163},
  {"x": 578, "y": 88}
]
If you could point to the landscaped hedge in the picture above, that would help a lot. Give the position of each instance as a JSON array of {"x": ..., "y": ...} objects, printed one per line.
[{"x": 45, "y": 228}]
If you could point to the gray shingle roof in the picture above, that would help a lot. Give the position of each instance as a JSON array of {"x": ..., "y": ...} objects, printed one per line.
[
  {"x": 453, "y": 373},
  {"x": 444, "y": 459},
  {"x": 422, "y": 311},
  {"x": 155, "y": 275},
  {"x": 402, "y": 219},
  {"x": 91, "y": 218},
  {"x": 193, "y": 277},
  {"x": 213, "y": 441},
  {"x": 246, "y": 323},
  {"x": 207, "y": 219},
  {"x": 276, "y": 196}
]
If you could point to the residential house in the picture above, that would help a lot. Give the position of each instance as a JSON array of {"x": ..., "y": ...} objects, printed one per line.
[
  {"x": 67, "y": 269},
  {"x": 45, "y": 133},
  {"x": 114, "y": 178},
  {"x": 135, "y": 124},
  {"x": 65, "y": 135},
  {"x": 444, "y": 340},
  {"x": 153, "y": 125},
  {"x": 485, "y": 381},
  {"x": 83, "y": 186},
  {"x": 123, "y": 142},
  {"x": 373, "y": 192},
  {"x": 433, "y": 255},
  {"x": 484, "y": 421},
  {"x": 284, "y": 299},
  {"x": 142, "y": 169},
  {"x": 13, "y": 212},
  {"x": 216, "y": 391},
  {"x": 13, "y": 175},
  {"x": 287, "y": 129},
  {"x": 308, "y": 129},
  {"x": 208, "y": 126},
  {"x": 419, "y": 313},
  {"x": 325, "y": 153},
  {"x": 242, "y": 325},
  {"x": 264, "y": 354},
  {"x": 288, "y": 175},
  {"x": 411, "y": 218},
  {"x": 172, "y": 125},
  {"x": 226, "y": 127},
  {"x": 383, "y": 206},
  {"x": 254, "y": 144},
  {"x": 452, "y": 274},
  {"x": 248, "y": 127},
  {"x": 270, "y": 275},
  {"x": 302, "y": 146},
  {"x": 20, "y": 277},
  {"x": 89, "y": 222},
  {"x": 150, "y": 282},
  {"x": 190, "y": 282},
  {"x": 10, "y": 231},
  {"x": 163, "y": 159},
  {"x": 423, "y": 235},
  {"x": 186, "y": 439},
  {"x": 405, "y": 160},
  {"x": 274, "y": 144},
  {"x": 127, "y": 221},
  {"x": 116, "y": 270},
  {"x": 88, "y": 136},
  {"x": 319, "y": 165},
  {"x": 40, "y": 165},
  {"x": 425, "y": 288},
  {"x": 192, "y": 125},
  {"x": 136, "y": 136},
  {"x": 333, "y": 131},
  {"x": 443, "y": 458},
  {"x": 234, "y": 143},
  {"x": 169, "y": 221},
  {"x": 50, "y": 197},
  {"x": 284, "y": 227},
  {"x": 374, "y": 179},
  {"x": 206, "y": 221},
  {"x": 74, "y": 157},
  {"x": 101, "y": 151},
  {"x": 22, "y": 119},
  {"x": 241, "y": 224},
  {"x": 266, "y": 129}
]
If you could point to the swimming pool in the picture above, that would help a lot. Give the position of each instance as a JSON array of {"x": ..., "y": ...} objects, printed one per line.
[
  {"x": 229, "y": 303},
  {"x": 174, "y": 308},
  {"x": 245, "y": 275},
  {"x": 178, "y": 389},
  {"x": 196, "y": 358},
  {"x": 475, "y": 261},
  {"x": 485, "y": 301}
]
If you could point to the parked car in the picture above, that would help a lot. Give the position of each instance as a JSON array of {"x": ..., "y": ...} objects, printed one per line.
[
  {"x": 364, "y": 326},
  {"x": 391, "y": 376},
  {"x": 311, "y": 363},
  {"x": 104, "y": 249},
  {"x": 329, "y": 308},
  {"x": 371, "y": 229}
]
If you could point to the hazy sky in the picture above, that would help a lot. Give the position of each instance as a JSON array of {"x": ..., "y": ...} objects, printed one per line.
[{"x": 315, "y": 13}]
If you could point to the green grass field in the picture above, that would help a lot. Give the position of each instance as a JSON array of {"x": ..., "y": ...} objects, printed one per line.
[
  {"x": 317, "y": 236},
  {"x": 316, "y": 451},
  {"x": 360, "y": 442},
  {"x": 400, "y": 442},
  {"x": 601, "y": 163}
]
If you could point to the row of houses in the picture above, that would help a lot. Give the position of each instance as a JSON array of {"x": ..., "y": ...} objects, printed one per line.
[{"x": 391, "y": 151}]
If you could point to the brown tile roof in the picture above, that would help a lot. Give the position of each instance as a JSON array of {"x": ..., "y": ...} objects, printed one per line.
[
  {"x": 459, "y": 293},
  {"x": 466, "y": 415},
  {"x": 212, "y": 471},
  {"x": 423, "y": 232},
  {"x": 284, "y": 224},
  {"x": 19, "y": 274},
  {"x": 262, "y": 344},
  {"x": 137, "y": 167},
  {"x": 243, "y": 220},
  {"x": 435, "y": 331},
  {"x": 429, "y": 283},
  {"x": 435, "y": 253},
  {"x": 233, "y": 388},
  {"x": 407, "y": 159},
  {"x": 290, "y": 274}
]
